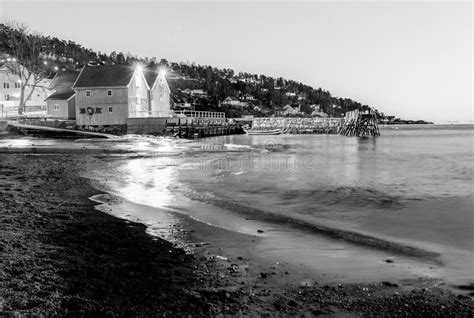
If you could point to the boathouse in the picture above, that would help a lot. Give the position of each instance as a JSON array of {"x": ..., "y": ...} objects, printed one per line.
[
  {"x": 62, "y": 103},
  {"x": 110, "y": 95}
]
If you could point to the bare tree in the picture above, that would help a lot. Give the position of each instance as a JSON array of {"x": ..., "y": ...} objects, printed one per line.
[{"x": 27, "y": 61}]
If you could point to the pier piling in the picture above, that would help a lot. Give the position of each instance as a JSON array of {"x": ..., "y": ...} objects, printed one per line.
[{"x": 360, "y": 124}]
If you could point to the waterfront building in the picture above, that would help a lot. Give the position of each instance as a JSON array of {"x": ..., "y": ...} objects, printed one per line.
[
  {"x": 62, "y": 103},
  {"x": 159, "y": 92},
  {"x": 109, "y": 95}
]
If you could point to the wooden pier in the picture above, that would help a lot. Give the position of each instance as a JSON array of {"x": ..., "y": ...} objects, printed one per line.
[
  {"x": 200, "y": 128},
  {"x": 189, "y": 124},
  {"x": 200, "y": 124},
  {"x": 360, "y": 124}
]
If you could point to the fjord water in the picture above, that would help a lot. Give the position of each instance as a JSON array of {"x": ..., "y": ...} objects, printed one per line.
[
  {"x": 411, "y": 187},
  {"x": 414, "y": 184}
]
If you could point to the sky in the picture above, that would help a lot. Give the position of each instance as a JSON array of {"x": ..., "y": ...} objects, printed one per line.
[{"x": 409, "y": 59}]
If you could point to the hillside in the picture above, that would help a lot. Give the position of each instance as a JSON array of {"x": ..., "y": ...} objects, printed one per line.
[{"x": 200, "y": 86}]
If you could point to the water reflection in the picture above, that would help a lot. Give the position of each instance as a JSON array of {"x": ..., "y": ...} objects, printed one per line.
[
  {"x": 147, "y": 181},
  {"x": 367, "y": 169}
]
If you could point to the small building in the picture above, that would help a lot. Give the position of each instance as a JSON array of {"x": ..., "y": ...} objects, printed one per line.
[
  {"x": 199, "y": 93},
  {"x": 62, "y": 103},
  {"x": 183, "y": 106},
  {"x": 316, "y": 111},
  {"x": 9, "y": 93},
  {"x": 288, "y": 110},
  {"x": 230, "y": 101},
  {"x": 108, "y": 95}
]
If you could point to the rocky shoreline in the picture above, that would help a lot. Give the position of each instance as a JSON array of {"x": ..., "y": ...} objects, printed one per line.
[{"x": 60, "y": 256}]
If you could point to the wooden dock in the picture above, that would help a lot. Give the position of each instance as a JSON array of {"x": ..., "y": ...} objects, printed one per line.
[
  {"x": 198, "y": 129},
  {"x": 208, "y": 124}
]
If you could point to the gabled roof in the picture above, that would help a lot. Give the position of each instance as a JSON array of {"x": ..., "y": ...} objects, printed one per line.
[
  {"x": 61, "y": 95},
  {"x": 150, "y": 76},
  {"x": 105, "y": 76},
  {"x": 64, "y": 80}
]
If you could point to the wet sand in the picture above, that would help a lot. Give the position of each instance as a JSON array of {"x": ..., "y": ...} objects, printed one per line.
[{"x": 62, "y": 256}]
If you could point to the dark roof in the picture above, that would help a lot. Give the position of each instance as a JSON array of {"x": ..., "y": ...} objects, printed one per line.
[
  {"x": 64, "y": 80},
  {"x": 68, "y": 77},
  {"x": 105, "y": 76},
  {"x": 150, "y": 76},
  {"x": 61, "y": 95}
]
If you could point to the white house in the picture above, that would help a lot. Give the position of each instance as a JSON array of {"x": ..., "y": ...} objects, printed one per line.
[
  {"x": 288, "y": 110},
  {"x": 230, "y": 101},
  {"x": 10, "y": 90}
]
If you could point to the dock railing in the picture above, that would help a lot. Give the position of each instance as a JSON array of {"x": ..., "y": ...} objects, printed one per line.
[
  {"x": 198, "y": 114},
  {"x": 179, "y": 113}
]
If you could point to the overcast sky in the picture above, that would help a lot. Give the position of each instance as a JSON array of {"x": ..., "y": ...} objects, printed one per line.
[{"x": 412, "y": 60}]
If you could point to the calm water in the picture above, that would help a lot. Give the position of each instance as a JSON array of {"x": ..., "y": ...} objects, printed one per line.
[
  {"x": 415, "y": 180},
  {"x": 411, "y": 187}
]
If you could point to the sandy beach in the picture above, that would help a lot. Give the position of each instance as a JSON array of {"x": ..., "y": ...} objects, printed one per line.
[{"x": 62, "y": 256}]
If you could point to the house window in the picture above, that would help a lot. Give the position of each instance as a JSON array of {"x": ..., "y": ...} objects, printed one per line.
[
  {"x": 6, "y": 85},
  {"x": 56, "y": 107},
  {"x": 109, "y": 93},
  {"x": 110, "y": 109},
  {"x": 17, "y": 85},
  {"x": 7, "y": 97},
  {"x": 88, "y": 93}
]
